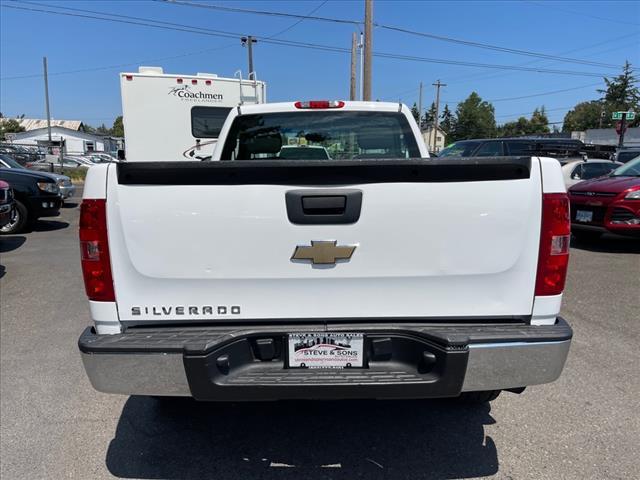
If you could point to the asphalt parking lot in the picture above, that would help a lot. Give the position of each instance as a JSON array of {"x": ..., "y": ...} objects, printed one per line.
[{"x": 54, "y": 425}]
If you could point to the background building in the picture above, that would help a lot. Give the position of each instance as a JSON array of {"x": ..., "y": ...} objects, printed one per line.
[
  {"x": 440, "y": 140},
  {"x": 75, "y": 141}
]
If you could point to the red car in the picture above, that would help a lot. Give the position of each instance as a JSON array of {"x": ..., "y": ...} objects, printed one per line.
[
  {"x": 610, "y": 203},
  {"x": 6, "y": 203}
]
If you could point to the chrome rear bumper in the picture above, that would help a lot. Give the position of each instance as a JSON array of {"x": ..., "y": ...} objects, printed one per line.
[{"x": 116, "y": 364}]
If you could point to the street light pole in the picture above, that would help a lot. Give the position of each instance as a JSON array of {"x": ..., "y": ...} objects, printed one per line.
[{"x": 248, "y": 42}]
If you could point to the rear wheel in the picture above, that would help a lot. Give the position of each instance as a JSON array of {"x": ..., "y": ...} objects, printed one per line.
[
  {"x": 586, "y": 235},
  {"x": 19, "y": 219},
  {"x": 476, "y": 398}
]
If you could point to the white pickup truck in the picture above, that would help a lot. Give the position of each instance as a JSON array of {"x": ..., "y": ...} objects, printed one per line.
[{"x": 363, "y": 270}]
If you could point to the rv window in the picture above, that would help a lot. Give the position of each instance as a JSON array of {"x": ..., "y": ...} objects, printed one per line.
[{"x": 206, "y": 122}]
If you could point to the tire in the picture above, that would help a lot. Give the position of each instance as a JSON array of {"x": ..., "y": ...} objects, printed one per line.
[
  {"x": 586, "y": 235},
  {"x": 478, "y": 398},
  {"x": 19, "y": 220}
]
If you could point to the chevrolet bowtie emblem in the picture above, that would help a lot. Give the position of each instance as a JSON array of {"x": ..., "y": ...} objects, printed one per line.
[{"x": 323, "y": 252}]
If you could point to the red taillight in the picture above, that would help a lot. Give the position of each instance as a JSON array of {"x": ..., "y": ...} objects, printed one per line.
[
  {"x": 553, "y": 258},
  {"x": 179, "y": 80},
  {"x": 320, "y": 104},
  {"x": 94, "y": 251},
  {"x": 129, "y": 77},
  {"x": 194, "y": 82}
]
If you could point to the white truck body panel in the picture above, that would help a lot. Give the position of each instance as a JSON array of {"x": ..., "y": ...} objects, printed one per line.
[
  {"x": 157, "y": 111},
  {"x": 210, "y": 301}
]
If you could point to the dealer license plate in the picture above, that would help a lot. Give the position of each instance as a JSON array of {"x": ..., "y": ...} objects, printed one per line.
[
  {"x": 584, "y": 216},
  {"x": 326, "y": 350}
]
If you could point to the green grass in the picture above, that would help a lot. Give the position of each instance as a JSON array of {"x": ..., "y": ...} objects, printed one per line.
[{"x": 75, "y": 173}]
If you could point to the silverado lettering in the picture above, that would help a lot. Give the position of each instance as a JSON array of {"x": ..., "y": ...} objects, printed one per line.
[{"x": 190, "y": 310}]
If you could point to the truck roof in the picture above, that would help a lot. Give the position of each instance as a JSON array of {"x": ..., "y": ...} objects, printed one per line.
[{"x": 348, "y": 105}]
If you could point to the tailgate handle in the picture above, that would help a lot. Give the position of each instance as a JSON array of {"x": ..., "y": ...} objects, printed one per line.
[{"x": 323, "y": 207}]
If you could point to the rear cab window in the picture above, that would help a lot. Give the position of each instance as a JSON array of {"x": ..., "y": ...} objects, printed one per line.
[
  {"x": 206, "y": 122},
  {"x": 320, "y": 135}
]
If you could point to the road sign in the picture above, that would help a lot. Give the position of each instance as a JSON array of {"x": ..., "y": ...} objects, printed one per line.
[{"x": 618, "y": 115}]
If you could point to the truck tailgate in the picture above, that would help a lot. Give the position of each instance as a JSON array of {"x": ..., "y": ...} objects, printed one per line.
[{"x": 213, "y": 241}]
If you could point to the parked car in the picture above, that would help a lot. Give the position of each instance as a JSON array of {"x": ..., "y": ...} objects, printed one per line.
[
  {"x": 36, "y": 195},
  {"x": 21, "y": 156},
  {"x": 67, "y": 162},
  {"x": 99, "y": 157},
  {"x": 562, "y": 149},
  {"x": 578, "y": 170},
  {"x": 67, "y": 189},
  {"x": 6, "y": 203},
  {"x": 625, "y": 154},
  {"x": 610, "y": 203}
]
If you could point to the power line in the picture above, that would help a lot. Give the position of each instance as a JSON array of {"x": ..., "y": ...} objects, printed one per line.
[
  {"x": 261, "y": 12},
  {"x": 530, "y": 113},
  {"x": 218, "y": 33},
  {"x": 299, "y": 21},
  {"x": 484, "y": 75},
  {"x": 497, "y": 48},
  {"x": 575, "y": 12},
  {"x": 398, "y": 29},
  {"x": 541, "y": 94},
  {"x": 121, "y": 65}
]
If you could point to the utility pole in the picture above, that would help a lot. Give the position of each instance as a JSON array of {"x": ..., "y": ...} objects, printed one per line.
[
  {"x": 352, "y": 84},
  {"x": 248, "y": 42},
  {"x": 601, "y": 116},
  {"x": 437, "y": 119},
  {"x": 361, "y": 47},
  {"x": 420, "y": 109},
  {"x": 368, "y": 44},
  {"x": 46, "y": 99},
  {"x": 623, "y": 127}
]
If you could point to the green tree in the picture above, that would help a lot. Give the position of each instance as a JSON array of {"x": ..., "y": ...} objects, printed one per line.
[
  {"x": 585, "y": 115},
  {"x": 447, "y": 120},
  {"x": 475, "y": 118},
  {"x": 517, "y": 128},
  {"x": 103, "y": 130},
  {"x": 9, "y": 125},
  {"x": 415, "y": 112},
  {"x": 429, "y": 115},
  {"x": 118, "y": 127},
  {"x": 539, "y": 122},
  {"x": 621, "y": 95}
]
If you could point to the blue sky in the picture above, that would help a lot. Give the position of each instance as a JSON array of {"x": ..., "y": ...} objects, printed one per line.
[{"x": 598, "y": 31}]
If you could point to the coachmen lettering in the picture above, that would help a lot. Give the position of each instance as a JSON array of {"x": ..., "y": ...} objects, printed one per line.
[{"x": 184, "y": 92}]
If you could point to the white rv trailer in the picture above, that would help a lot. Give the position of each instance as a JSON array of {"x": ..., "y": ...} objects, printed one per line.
[{"x": 169, "y": 117}]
